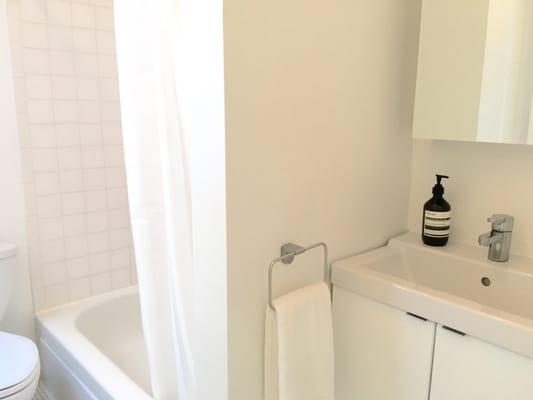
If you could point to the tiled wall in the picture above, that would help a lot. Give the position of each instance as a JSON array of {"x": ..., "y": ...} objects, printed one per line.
[{"x": 63, "y": 54}]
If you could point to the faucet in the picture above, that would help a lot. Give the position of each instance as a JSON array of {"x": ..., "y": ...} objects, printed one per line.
[{"x": 498, "y": 240}]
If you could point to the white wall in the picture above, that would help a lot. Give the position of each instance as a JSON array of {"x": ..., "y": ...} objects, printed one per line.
[
  {"x": 319, "y": 99},
  {"x": 19, "y": 317},
  {"x": 70, "y": 134},
  {"x": 485, "y": 179}
]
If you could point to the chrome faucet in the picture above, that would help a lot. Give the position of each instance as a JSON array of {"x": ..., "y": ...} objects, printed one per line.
[{"x": 498, "y": 240}]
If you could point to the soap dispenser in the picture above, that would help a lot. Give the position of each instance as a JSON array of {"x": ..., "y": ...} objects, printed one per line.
[{"x": 437, "y": 217}]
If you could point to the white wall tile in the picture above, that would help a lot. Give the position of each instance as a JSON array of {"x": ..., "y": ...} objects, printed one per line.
[
  {"x": 54, "y": 273},
  {"x": 119, "y": 238},
  {"x": 98, "y": 242},
  {"x": 60, "y": 38},
  {"x": 79, "y": 289},
  {"x": 76, "y": 246},
  {"x": 84, "y": 40},
  {"x": 35, "y": 61},
  {"x": 67, "y": 135},
  {"x": 120, "y": 278},
  {"x": 78, "y": 267},
  {"x": 82, "y": 16},
  {"x": 88, "y": 89},
  {"x": 117, "y": 198},
  {"x": 92, "y": 157},
  {"x": 107, "y": 65},
  {"x": 86, "y": 64},
  {"x": 120, "y": 258},
  {"x": 99, "y": 262},
  {"x": 52, "y": 250},
  {"x": 50, "y": 228},
  {"x": 112, "y": 133},
  {"x": 69, "y": 158},
  {"x": 42, "y": 135},
  {"x": 44, "y": 160},
  {"x": 49, "y": 206},
  {"x": 96, "y": 200},
  {"x": 59, "y": 12},
  {"x": 38, "y": 87},
  {"x": 33, "y": 10},
  {"x": 65, "y": 111},
  {"x": 62, "y": 62},
  {"x": 109, "y": 89},
  {"x": 105, "y": 42},
  {"x": 100, "y": 283},
  {"x": 104, "y": 18},
  {"x": 64, "y": 87},
  {"x": 114, "y": 156},
  {"x": 55, "y": 295},
  {"x": 115, "y": 177},
  {"x": 71, "y": 181},
  {"x": 106, "y": 3},
  {"x": 72, "y": 203},
  {"x": 34, "y": 35},
  {"x": 40, "y": 111},
  {"x": 94, "y": 179},
  {"x": 91, "y": 135},
  {"x": 97, "y": 222},
  {"x": 74, "y": 225},
  {"x": 119, "y": 218},
  {"x": 89, "y": 111},
  {"x": 46, "y": 183}
]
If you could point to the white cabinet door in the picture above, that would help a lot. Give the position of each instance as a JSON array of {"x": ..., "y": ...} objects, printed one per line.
[
  {"x": 466, "y": 368},
  {"x": 381, "y": 353}
]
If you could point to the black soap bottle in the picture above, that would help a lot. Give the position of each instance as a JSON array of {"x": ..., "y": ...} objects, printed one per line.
[{"x": 437, "y": 217}]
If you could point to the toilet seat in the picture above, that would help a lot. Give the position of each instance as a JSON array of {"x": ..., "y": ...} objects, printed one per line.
[{"x": 19, "y": 364}]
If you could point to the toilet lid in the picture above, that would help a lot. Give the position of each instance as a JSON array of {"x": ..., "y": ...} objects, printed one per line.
[{"x": 18, "y": 359}]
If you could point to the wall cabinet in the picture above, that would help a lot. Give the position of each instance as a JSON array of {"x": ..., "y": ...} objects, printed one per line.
[{"x": 383, "y": 353}]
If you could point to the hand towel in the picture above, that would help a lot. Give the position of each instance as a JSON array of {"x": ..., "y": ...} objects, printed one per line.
[{"x": 299, "y": 358}]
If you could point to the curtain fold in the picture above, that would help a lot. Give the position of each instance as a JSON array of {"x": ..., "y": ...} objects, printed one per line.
[{"x": 156, "y": 156}]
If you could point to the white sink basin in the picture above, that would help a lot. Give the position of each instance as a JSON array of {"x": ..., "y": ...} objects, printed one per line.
[{"x": 445, "y": 285}]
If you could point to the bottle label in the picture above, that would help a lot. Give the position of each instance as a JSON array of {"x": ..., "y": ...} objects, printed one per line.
[{"x": 437, "y": 223}]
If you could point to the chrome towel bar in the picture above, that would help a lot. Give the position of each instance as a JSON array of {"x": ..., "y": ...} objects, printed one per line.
[{"x": 288, "y": 252}]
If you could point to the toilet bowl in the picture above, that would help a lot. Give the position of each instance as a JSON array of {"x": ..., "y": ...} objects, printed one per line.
[
  {"x": 19, "y": 367},
  {"x": 19, "y": 358}
]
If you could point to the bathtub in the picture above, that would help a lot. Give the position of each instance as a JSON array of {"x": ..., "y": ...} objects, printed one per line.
[{"x": 94, "y": 349}]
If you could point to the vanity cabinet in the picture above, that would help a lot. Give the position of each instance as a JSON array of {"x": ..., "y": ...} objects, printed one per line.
[
  {"x": 381, "y": 353},
  {"x": 466, "y": 368}
]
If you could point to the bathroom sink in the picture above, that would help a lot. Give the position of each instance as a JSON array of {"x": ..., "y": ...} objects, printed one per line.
[{"x": 454, "y": 286}]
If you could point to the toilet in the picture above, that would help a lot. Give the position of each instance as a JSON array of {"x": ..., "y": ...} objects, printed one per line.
[{"x": 19, "y": 358}]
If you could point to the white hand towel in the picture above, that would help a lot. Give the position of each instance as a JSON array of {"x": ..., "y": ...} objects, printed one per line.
[{"x": 299, "y": 361}]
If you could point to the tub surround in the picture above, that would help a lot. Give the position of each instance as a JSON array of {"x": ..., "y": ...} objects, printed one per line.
[{"x": 68, "y": 113}]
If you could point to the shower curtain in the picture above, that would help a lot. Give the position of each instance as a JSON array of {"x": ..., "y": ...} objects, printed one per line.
[{"x": 156, "y": 155}]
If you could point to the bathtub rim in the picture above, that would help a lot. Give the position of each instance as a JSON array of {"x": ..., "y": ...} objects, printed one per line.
[{"x": 57, "y": 328}]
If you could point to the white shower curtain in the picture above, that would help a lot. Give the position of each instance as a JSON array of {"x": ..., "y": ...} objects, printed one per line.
[{"x": 148, "y": 45}]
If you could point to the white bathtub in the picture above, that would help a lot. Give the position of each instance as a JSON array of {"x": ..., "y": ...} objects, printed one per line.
[{"x": 95, "y": 349}]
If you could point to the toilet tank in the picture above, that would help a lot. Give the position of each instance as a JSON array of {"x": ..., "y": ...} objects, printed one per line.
[{"x": 8, "y": 261}]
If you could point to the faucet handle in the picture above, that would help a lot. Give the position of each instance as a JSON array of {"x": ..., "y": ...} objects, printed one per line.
[{"x": 501, "y": 222}]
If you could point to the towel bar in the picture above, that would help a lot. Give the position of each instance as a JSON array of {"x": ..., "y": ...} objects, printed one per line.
[{"x": 288, "y": 252}]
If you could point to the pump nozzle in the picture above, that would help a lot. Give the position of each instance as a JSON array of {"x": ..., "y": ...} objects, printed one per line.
[
  {"x": 438, "y": 189},
  {"x": 439, "y": 178}
]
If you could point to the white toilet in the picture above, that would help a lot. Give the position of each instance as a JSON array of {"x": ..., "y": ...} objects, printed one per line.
[{"x": 19, "y": 358}]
